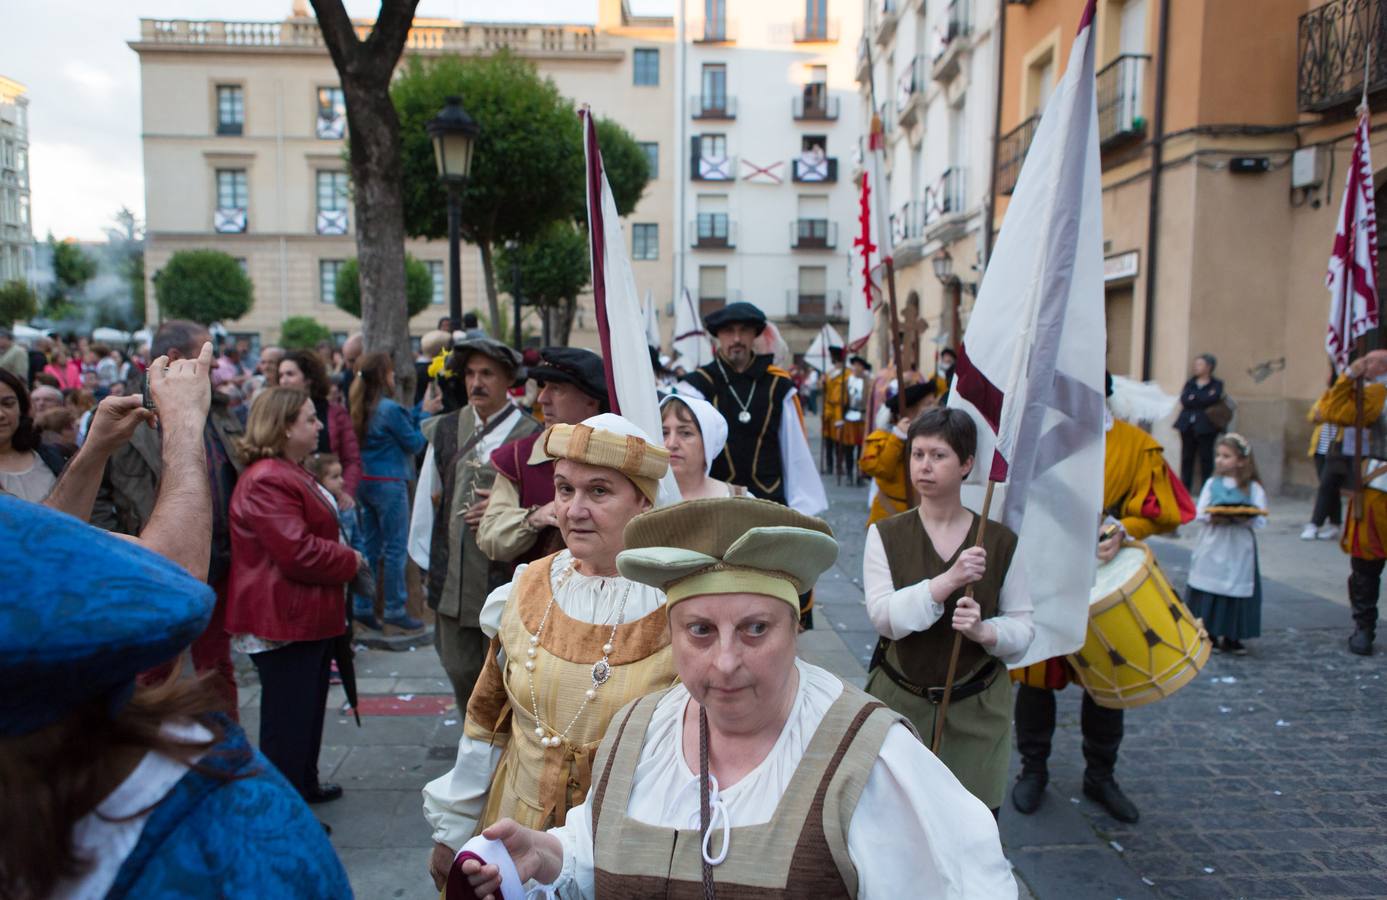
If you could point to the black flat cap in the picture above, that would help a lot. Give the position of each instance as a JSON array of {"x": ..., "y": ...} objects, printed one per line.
[
  {"x": 572, "y": 365},
  {"x": 734, "y": 312}
]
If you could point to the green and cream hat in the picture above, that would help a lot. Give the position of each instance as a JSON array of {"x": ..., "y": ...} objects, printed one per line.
[{"x": 730, "y": 545}]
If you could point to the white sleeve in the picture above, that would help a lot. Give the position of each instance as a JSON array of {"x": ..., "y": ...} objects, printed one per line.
[
  {"x": 489, "y": 619},
  {"x": 1259, "y": 500},
  {"x": 804, "y": 490},
  {"x": 1205, "y": 495},
  {"x": 1015, "y": 630},
  {"x": 453, "y": 801},
  {"x": 576, "y": 879},
  {"x": 894, "y": 613},
  {"x": 915, "y": 824},
  {"x": 421, "y": 519}
]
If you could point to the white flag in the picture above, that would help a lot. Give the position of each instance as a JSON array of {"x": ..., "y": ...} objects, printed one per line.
[
  {"x": 870, "y": 244},
  {"x": 652, "y": 321},
  {"x": 692, "y": 345},
  {"x": 1030, "y": 369},
  {"x": 620, "y": 320},
  {"x": 817, "y": 355},
  {"x": 1352, "y": 275}
]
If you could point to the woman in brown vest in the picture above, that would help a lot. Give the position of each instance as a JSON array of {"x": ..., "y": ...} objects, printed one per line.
[
  {"x": 759, "y": 775},
  {"x": 916, "y": 568}
]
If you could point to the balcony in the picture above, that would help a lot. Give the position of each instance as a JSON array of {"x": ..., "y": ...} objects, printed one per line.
[
  {"x": 904, "y": 222},
  {"x": 330, "y": 126},
  {"x": 713, "y": 31},
  {"x": 864, "y": 58},
  {"x": 816, "y": 31},
  {"x": 950, "y": 41},
  {"x": 809, "y": 169},
  {"x": 713, "y": 106},
  {"x": 910, "y": 92},
  {"x": 814, "y": 106},
  {"x": 1332, "y": 41},
  {"x": 1011, "y": 153},
  {"x": 332, "y": 221},
  {"x": 229, "y": 220},
  {"x": 814, "y": 308},
  {"x": 705, "y": 166},
  {"x": 887, "y": 15},
  {"x": 1119, "y": 90},
  {"x": 813, "y": 234},
  {"x": 230, "y": 129},
  {"x": 713, "y": 231},
  {"x": 944, "y": 199}
]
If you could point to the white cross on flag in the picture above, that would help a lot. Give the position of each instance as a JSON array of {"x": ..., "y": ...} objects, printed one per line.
[
  {"x": 1030, "y": 369},
  {"x": 1352, "y": 275}
]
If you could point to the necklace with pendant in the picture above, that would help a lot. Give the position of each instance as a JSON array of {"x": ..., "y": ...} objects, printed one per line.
[
  {"x": 601, "y": 670},
  {"x": 745, "y": 415}
]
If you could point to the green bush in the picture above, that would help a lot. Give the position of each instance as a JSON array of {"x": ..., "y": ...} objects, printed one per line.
[
  {"x": 17, "y": 301},
  {"x": 203, "y": 286},
  {"x": 418, "y": 287},
  {"x": 303, "y": 333}
]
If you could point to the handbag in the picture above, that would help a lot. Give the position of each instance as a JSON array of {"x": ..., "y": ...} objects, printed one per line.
[{"x": 1221, "y": 413}]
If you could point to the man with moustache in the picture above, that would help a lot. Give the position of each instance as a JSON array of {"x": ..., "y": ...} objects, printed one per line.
[
  {"x": 454, "y": 483},
  {"x": 767, "y": 450},
  {"x": 520, "y": 524}
]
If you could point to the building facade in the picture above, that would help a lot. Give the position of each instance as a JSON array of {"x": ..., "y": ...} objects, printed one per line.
[
  {"x": 16, "y": 227},
  {"x": 244, "y": 141},
  {"x": 769, "y": 122},
  {"x": 928, "y": 73},
  {"x": 1224, "y": 147}
]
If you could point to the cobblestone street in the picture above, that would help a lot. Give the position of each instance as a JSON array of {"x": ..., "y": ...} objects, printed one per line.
[{"x": 1262, "y": 778}]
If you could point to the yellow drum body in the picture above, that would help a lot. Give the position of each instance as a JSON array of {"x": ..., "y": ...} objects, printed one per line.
[{"x": 1143, "y": 644}]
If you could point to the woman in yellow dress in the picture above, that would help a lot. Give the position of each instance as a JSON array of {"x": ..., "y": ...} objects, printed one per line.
[{"x": 573, "y": 642}]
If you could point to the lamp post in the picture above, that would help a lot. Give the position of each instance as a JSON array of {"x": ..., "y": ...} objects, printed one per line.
[
  {"x": 454, "y": 135},
  {"x": 943, "y": 264},
  {"x": 513, "y": 251}
]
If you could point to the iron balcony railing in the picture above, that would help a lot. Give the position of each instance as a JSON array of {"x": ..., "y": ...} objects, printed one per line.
[
  {"x": 1332, "y": 42},
  {"x": 816, "y": 31},
  {"x": 813, "y": 234},
  {"x": 945, "y": 197},
  {"x": 714, "y": 31},
  {"x": 1011, "y": 153},
  {"x": 910, "y": 89},
  {"x": 815, "y": 170},
  {"x": 820, "y": 305},
  {"x": 814, "y": 105},
  {"x": 904, "y": 222},
  {"x": 713, "y": 106},
  {"x": 1120, "y": 108}
]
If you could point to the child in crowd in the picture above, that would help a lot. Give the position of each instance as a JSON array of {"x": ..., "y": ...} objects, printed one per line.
[
  {"x": 1225, "y": 585},
  {"x": 327, "y": 469}
]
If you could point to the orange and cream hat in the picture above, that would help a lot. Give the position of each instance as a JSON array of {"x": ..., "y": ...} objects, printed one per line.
[
  {"x": 730, "y": 545},
  {"x": 612, "y": 442}
]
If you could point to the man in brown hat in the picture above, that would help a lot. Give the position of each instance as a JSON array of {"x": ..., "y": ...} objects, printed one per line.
[{"x": 454, "y": 484}]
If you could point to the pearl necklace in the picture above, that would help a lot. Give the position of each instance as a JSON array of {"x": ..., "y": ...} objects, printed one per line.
[{"x": 601, "y": 670}]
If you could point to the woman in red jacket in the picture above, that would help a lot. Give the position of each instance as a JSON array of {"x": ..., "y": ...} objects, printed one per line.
[
  {"x": 285, "y": 598},
  {"x": 302, "y": 369}
]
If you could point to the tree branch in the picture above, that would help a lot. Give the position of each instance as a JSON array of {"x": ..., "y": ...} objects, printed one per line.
[
  {"x": 338, "y": 33},
  {"x": 387, "y": 39}
]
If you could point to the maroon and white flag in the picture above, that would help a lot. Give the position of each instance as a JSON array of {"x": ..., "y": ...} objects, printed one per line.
[
  {"x": 1030, "y": 369},
  {"x": 1352, "y": 275}
]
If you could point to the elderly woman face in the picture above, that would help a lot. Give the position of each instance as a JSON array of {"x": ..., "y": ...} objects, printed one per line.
[
  {"x": 1201, "y": 367},
  {"x": 736, "y": 655},
  {"x": 593, "y": 505}
]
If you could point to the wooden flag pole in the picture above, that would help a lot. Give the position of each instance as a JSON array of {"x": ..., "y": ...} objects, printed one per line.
[
  {"x": 958, "y": 635},
  {"x": 911, "y": 501}
]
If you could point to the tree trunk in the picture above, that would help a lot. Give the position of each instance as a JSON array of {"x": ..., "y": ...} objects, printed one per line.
[
  {"x": 373, "y": 130},
  {"x": 563, "y": 321},
  {"x": 493, "y": 304}
]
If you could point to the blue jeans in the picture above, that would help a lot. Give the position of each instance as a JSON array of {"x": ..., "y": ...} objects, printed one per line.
[{"x": 385, "y": 521}]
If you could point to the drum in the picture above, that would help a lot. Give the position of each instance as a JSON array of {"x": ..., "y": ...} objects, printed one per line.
[{"x": 1143, "y": 644}]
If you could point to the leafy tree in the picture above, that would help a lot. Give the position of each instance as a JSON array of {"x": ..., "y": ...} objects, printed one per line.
[
  {"x": 364, "y": 69},
  {"x": 203, "y": 286},
  {"x": 302, "y": 333},
  {"x": 418, "y": 287},
  {"x": 626, "y": 165},
  {"x": 126, "y": 241},
  {"x": 554, "y": 269},
  {"x": 72, "y": 269},
  {"x": 17, "y": 301},
  {"x": 526, "y": 164}
]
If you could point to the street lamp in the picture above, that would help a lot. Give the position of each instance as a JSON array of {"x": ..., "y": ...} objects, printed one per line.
[
  {"x": 454, "y": 135},
  {"x": 943, "y": 264}
]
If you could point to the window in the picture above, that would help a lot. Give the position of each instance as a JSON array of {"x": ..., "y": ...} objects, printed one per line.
[
  {"x": 440, "y": 289},
  {"x": 813, "y": 288},
  {"x": 332, "y": 203},
  {"x": 710, "y": 160},
  {"x": 712, "y": 288},
  {"x": 645, "y": 241},
  {"x": 232, "y": 199},
  {"x": 714, "y": 20},
  {"x": 231, "y": 109},
  {"x": 327, "y": 279},
  {"x": 652, "y": 156},
  {"x": 714, "y": 87},
  {"x": 1040, "y": 81},
  {"x": 332, "y": 114},
  {"x": 647, "y": 67}
]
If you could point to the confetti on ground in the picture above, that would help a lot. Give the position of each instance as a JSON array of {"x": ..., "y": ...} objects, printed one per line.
[
  {"x": 1208, "y": 870},
  {"x": 1277, "y": 793},
  {"x": 455, "y": 721},
  {"x": 1282, "y": 723},
  {"x": 1073, "y": 799},
  {"x": 1115, "y": 845},
  {"x": 405, "y": 698},
  {"x": 1225, "y": 709},
  {"x": 1147, "y": 881}
]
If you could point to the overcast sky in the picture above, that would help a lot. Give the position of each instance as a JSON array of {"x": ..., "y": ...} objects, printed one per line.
[{"x": 84, "y": 89}]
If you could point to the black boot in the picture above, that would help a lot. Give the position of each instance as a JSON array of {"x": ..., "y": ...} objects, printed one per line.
[
  {"x": 1035, "y": 726},
  {"x": 1364, "y": 583},
  {"x": 1107, "y": 794}
]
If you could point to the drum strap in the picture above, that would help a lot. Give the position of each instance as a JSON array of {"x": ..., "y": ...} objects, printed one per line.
[{"x": 975, "y": 685}]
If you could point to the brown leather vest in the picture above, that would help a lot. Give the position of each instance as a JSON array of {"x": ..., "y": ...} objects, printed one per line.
[{"x": 923, "y": 657}]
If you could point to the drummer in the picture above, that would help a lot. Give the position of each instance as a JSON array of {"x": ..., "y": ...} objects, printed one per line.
[
  {"x": 801, "y": 785},
  {"x": 1142, "y": 497},
  {"x": 916, "y": 567}
]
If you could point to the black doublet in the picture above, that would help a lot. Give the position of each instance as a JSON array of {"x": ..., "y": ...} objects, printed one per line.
[{"x": 752, "y": 457}]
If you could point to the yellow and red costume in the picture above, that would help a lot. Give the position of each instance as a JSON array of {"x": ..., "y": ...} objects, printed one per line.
[
  {"x": 884, "y": 459},
  {"x": 1366, "y": 537}
]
